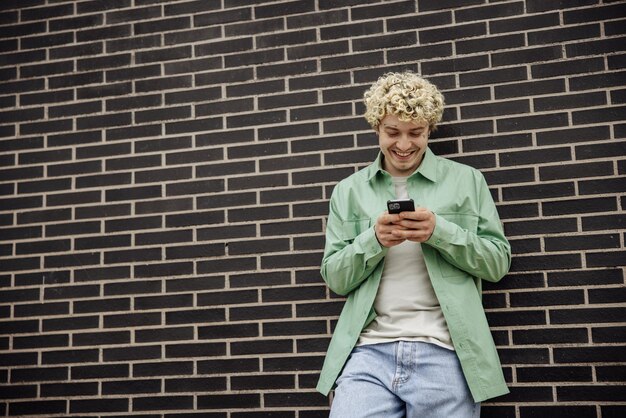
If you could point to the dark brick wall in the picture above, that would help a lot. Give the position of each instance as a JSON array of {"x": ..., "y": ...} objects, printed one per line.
[{"x": 166, "y": 167}]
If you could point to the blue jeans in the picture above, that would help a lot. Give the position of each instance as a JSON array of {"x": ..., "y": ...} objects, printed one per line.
[{"x": 403, "y": 379}]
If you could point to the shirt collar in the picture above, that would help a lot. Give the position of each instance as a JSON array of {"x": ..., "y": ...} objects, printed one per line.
[{"x": 428, "y": 167}]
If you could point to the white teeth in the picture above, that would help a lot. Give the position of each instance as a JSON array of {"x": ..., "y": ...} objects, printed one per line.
[{"x": 403, "y": 154}]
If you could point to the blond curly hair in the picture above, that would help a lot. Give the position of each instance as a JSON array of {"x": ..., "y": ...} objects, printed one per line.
[{"x": 406, "y": 95}]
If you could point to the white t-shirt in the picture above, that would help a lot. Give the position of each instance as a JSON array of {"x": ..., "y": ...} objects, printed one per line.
[{"x": 406, "y": 304}]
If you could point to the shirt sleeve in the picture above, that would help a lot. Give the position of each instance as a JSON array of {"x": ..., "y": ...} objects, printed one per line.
[
  {"x": 484, "y": 253},
  {"x": 352, "y": 250}
]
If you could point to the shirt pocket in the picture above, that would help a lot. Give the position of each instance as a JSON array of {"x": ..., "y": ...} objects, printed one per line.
[
  {"x": 353, "y": 228},
  {"x": 468, "y": 222}
]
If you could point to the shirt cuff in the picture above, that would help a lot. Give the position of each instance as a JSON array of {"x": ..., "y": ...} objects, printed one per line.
[
  {"x": 369, "y": 244},
  {"x": 443, "y": 233}
]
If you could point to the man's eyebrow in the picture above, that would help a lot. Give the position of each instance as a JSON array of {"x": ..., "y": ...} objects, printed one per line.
[{"x": 418, "y": 128}]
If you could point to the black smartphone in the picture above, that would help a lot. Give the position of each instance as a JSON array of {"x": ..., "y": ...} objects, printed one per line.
[{"x": 400, "y": 205}]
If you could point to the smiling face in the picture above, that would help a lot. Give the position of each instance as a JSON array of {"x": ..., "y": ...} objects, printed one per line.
[{"x": 403, "y": 144}]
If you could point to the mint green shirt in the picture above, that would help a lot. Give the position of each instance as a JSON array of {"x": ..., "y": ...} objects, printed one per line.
[{"x": 467, "y": 246}]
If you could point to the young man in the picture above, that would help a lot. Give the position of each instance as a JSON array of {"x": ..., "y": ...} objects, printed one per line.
[{"x": 412, "y": 339}]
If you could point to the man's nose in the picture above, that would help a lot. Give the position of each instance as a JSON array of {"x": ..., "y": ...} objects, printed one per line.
[{"x": 404, "y": 143}]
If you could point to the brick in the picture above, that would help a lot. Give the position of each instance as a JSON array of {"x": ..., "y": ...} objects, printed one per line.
[
  {"x": 227, "y": 298},
  {"x": 293, "y": 130},
  {"x": 605, "y": 259},
  {"x": 570, "y": 101},
  {"x": 532, "y": 263},
  {"x": 535, "y": 6},
  {"x": 38, "y": 407},
  {"x": 194, "y": 316},
  {"x": 199, "y": 283},
  {"x": 490, "y": 411},
  {"x": 564, "y": 34},
  {"x": 195, "y": 187},
  {"x": 540, "y": 191},
  {"x": 550, "y": 411},
  {"x": 294, "y": 328},
  {"x": 584, "y": 242},
  {"x": 450, "y": 65},
  {"x": 477, "y": 78},
  {"x": 198, "y": 218},
  {"x": 612, "y": 411},
  {"x": 595, "y": 47},
  {"x": 607, "y": 295},
  {"x": 259, "y": 279},
  {"x": 236, "y": 365},
  {"x": 528, "y": 55},
  {"x": 576, "y": 170},
  {"x": 163, "y": 302},
  {"x": 340, "y": 63},
  {"x": 125, "y": 320},
  {"x": 69, "y": 356},
  {"x": 577, "y": 278},
  {"x": 296, "y": 399},
  {"x": 536, "y": 87},
  {"x": 40, "y": 309},
  {"x": 609, "y": 222},
  {"x": 229, "y": 401},
  {"x": 489, "y": 12},
  {"x": 195, "y": 350},
  {"x": 194, "y": 251},
  {"x": 607, "y": 334},
  {"x": 600, "y": 150},
  {"x": 230, "y": 331},
  {"x": 535, "y": 157},
  {"x": 62, "y": 323},
  {"x": 591, "y": 393},
  {"x": 547, "y": 298},
  {"x": 195, "y": 384},
  {"x": 456, "y": 32},
  {"x": 608, "y": 114},
  {"x": 264, "y": 382},
  {"x": 164, "y": 334},
  {"x": 532, "y": 122},
  {"x": 42, "y": 374},
  {"x": 102, "y": 211},
  {"x": 551, "y": 208},
  {"x": 69, "y": 389},
  {"x": 99, "y": 405},
  {"x": 124, "y": 387},
  {"x": 59, "y": 340},
  {"x": 551, "y": 336},
  {"x": 104, "y": 338},
  {"x": 259, "y": 246},
  {"x": 272, "y": 346},
  {"x": 530, "y": 393},
  {"x": 596, "y": 81},
  {"x": 197, "y": 125},
  {"x": 586, "y": 315},
  {"x": 293, "y": 363},
  {"x": 103, "y": 305}
]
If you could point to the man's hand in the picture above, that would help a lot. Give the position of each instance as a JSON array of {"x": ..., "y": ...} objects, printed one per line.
[
  {"x": 385, "y": 228},
  {"x": 415, "y": 226}
]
